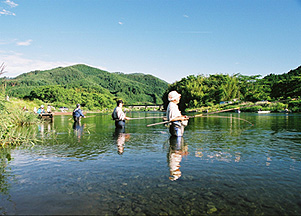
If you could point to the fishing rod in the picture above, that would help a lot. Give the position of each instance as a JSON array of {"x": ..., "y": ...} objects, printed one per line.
[
  {"x": 205, "y": 115},
  {"x": 224, "y": 117},
  {"x": 226, "y": 110},
  {"x": 150, "y": 117},
  {"x": 200, "y": 115},
  {"x": 158, "y": 123},
  {"x": 82, "y": 118}
]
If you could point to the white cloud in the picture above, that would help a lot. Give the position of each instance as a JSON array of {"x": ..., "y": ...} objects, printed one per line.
[
  {"x": 5, "y": 12},
  {"x": 24, "y": 43},
  {"x": 186, "y": 16},
  {"x": 10, "y": 3},
  {"x": 16, "y": 42},
  {"x": 120, "y": 23},
  {"x": 17, "y": 64}
]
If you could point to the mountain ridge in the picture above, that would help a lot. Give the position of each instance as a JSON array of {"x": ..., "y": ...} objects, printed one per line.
[{"x": 133, "y": 88}]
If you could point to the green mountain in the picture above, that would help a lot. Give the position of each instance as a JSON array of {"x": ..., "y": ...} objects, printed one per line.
[
  {"x": 80, "y": 81},
  {"x": 285, "y": 85}
]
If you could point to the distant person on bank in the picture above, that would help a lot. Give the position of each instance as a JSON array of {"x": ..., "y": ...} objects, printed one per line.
[
  {"x": 41, "y": 110},
  {"x": 77, "y": 113},
  {"x": 119, "y": 116},
  {"x": 174, "y": 116}
]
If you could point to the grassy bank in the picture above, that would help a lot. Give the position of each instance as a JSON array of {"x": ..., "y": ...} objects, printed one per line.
[
  {"x": 12, "y": 118},
  {"x": 293, "y": 105}
]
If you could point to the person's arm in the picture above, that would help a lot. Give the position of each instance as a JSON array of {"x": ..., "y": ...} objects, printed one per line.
[
  {"x": 120, "y": 114},
  {"x": 81, "y": 113},
  {"x": 180, "y": 118}
]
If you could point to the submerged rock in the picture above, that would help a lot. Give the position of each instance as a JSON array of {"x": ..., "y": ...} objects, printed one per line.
[{"x": 211, "y": 209}]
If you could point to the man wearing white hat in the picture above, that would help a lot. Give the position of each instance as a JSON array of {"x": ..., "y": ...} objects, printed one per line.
[{"x": 174, "y": 116}]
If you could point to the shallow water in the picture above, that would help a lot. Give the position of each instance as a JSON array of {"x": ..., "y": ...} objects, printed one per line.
[{"x": 221, "y": 166}]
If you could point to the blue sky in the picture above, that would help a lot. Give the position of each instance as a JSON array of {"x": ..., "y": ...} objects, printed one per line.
[{"x": 169, "y": 39}]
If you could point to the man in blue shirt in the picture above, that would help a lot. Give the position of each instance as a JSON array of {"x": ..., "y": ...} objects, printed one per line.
[
  {"x": 41, "y": 110},
  {"x": 77, "y": 113}
]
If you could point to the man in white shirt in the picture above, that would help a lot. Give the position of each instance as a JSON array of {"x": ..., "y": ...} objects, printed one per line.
[
  {"x": 119, "y": 116},
  {"x": 174, "y": 116}
]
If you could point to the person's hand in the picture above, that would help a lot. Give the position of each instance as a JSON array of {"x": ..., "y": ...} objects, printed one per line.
[{"x": 185, "y": 117}]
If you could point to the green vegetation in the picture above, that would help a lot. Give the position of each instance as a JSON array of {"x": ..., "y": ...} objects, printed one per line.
[
  {"x": 96, "y": 89},
  {"x": 93, "y": 88},
  {"x": 209, "y": 91},
  {"x": 12, "y": 118}
]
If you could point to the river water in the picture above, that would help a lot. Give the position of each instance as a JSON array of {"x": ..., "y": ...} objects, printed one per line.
[{"x": 222, "y": 166}]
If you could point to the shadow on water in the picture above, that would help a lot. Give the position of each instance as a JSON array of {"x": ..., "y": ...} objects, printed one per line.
[{"x": 220, "y": 167}]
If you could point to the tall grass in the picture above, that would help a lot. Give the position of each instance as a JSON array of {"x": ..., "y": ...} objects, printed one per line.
[{"x": 11, "y": 121}]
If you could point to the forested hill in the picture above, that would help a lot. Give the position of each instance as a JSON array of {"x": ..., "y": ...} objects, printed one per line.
[
  {"x": 206, "y": 91},
  {"x": 133, "y": 88}
]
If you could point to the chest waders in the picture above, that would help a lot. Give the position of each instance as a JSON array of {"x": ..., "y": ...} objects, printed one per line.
[
  {"x": 119, "y": 123},
  {"x": 176, "y": 128}
]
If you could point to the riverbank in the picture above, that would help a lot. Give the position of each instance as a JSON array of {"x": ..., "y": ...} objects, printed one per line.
[
  {"x": 293, "y": 105},
  {"x": 11, "y": 118}
]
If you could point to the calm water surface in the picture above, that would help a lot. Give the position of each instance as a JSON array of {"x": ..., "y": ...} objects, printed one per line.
[{"x": 221, "y": 166}]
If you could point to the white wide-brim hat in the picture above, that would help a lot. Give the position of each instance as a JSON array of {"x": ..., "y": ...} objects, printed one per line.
[{"x": 173, "y": 95}]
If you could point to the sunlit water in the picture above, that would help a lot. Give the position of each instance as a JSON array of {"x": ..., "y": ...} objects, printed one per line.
[{"x": 221, "y": 166}]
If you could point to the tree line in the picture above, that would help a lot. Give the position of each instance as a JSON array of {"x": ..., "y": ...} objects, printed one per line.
[
  {"x": 201, "y": 90},
  {"x": 97, "y": 89}
]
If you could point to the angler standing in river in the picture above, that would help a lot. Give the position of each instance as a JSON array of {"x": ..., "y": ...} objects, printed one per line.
[
  {"x": 119, "y": 116},
  {"x": 77, "y": 113},
  {"x": 176, "y": 120}
]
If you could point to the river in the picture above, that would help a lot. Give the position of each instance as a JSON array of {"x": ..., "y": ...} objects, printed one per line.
[{"x": 222, "y": 166}]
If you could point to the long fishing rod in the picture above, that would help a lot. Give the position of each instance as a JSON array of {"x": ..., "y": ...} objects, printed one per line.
[
  {"x": 215, "y": 112},
  {"x": 224, "y": 117},
  {"x": 158, "y": 123},
  {"x": 165, "y": 122},
  {"x": 82, "y": 118},
  {"x": 205, "y": 115},
  {"x": 150, "y": 117}
]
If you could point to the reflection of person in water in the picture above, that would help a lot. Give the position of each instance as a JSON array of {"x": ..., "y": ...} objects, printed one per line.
[
  {"x": 176, "y": 150},
  {"x": 43, "y": 130},
  {"x": 120, "y": 137},
  {"x": 78, "y": 129}
]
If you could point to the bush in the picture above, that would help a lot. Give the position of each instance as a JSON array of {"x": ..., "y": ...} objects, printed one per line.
[
  {"x": 295, "y": 105},
  {"x": 252, "y": 109},
  {"x": 275, "y": 107}
]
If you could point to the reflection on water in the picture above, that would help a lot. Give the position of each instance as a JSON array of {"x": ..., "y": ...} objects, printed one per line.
[
  {"x": 177, "y": 149},
  {"x": 78, "y": 129},
  {"x": 220, "y": 167},
  {"x": 121, "y": 137},
  {"x": 45, "y": 128}
]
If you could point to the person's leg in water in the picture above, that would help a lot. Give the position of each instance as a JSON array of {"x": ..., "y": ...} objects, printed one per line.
[
  {"x": 176, "y": 129},
  {"x": 120, "y": 124}
]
